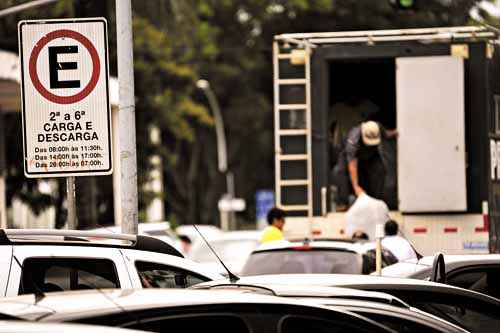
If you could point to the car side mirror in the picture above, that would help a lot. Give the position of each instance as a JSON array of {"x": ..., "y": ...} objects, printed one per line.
[{"x": 438, "y": 273}]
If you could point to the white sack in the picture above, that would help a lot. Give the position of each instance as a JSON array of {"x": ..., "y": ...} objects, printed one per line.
[{"x": 364, "y": 214}]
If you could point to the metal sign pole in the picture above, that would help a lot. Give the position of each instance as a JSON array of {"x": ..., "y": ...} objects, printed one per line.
[
  {"x": 117, "y": 198},
  {"x": 231, "y": 195},
  {"x": 128, "y": 156},
  {"x": 71, "y": 202}
]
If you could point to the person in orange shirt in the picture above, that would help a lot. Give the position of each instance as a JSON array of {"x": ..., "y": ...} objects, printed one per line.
[{"x": 276, "y": 221}]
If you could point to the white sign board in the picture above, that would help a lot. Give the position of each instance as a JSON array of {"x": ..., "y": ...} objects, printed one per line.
[{"x": 65, "y": 98}]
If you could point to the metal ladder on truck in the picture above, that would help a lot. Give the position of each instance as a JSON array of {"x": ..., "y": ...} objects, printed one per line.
[{"x": 285, "y": 135}]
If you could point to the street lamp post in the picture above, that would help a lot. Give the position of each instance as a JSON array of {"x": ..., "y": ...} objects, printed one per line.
[{"x": 227, "y": 220}]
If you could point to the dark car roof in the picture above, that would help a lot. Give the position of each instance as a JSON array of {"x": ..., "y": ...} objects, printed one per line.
[
  {"x": 348, "y": 299},
  {"x": 365, "y": 282},
  {"x": 84, "y": 305},
  {"x": 87, "y": 303}
]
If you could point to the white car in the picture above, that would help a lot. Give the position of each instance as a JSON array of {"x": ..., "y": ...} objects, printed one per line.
[
  {"x": 315, "y": 256},
  {"x": 232, "y": 247},
  {"x": 160, "y": 230},
  {"x": 208, "y": 231},
  {"x": 477, "y": 272},
  {"x": 39, "y": 261}
]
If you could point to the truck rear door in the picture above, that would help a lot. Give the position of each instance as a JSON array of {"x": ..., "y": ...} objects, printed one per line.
[{"x": 431, "y": 144}]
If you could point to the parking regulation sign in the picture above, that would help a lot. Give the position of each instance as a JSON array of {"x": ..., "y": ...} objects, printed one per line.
[{"x": 65, "y": 97}]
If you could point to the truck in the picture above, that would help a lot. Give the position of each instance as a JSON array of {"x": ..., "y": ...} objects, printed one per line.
[{"x": 440, "y": 87}]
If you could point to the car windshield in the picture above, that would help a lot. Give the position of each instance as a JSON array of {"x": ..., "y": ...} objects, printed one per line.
[
  {"x": 293, "y": 261},
  {"x": 227, "y": 250}
]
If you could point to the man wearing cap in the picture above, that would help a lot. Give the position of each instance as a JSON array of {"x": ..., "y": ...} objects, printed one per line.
[{"x": 360, "y": 168}]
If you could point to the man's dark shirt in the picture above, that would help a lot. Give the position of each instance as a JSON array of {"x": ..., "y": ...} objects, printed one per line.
[{"x": 355, "y": 149}]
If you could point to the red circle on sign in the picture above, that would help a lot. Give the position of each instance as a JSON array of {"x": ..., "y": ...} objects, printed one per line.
[{"x": 96, "y": 66}]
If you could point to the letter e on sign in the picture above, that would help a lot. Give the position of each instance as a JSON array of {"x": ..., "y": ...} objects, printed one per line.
[{"x": 65, "y": 97}]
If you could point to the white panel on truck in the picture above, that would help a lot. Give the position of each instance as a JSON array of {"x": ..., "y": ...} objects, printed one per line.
[{"x": 431, "y": 143}]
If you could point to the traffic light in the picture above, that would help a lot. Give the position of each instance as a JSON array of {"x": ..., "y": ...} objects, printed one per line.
[{"x": 404, "y": 4}]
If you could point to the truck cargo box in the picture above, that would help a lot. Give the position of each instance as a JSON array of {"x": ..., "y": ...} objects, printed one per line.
[{"x": 439, "y": 87}]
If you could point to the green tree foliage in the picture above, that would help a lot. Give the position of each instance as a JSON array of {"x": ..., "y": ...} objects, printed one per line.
[
  {"x": 165, "y": 86},
  {"x": 241, "y": 71},
  {"x": 482, "y": 16}
]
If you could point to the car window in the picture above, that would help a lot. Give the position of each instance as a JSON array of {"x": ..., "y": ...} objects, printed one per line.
[
  {"x": 154, "y": 275},
  {"x": 485, "y": 280},
  {"x": 59, "y": 274},
  {"x": 398, "y": 324},
  {"x": 299, "y": 261},
  {"x": 251, "y": 322},
  {"x": 465, "y": 279},
  {"x": 304, "y": 324},
  {"x": 474, "y": 313},
  {"x": 237, "y": 318},
  {"x": 220, "y": 323},
  {"x": 474, "y": 320}
]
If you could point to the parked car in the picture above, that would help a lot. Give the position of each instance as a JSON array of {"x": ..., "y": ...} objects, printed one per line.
[
  {"x": 187, "y": 311},
  {"x": 380, "y": 307},
  {"x": 316, "y": 257},
  {"x": 208, "y": 231},
  {"x": 232, "y": 247},
  {"x": 30, "y": 327},
  {"x": 470, "y": 310},
  {"x": 160, "y": 230},
  {"x": 479, "y": 272},
  {"x": 38, "y": 260}
]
